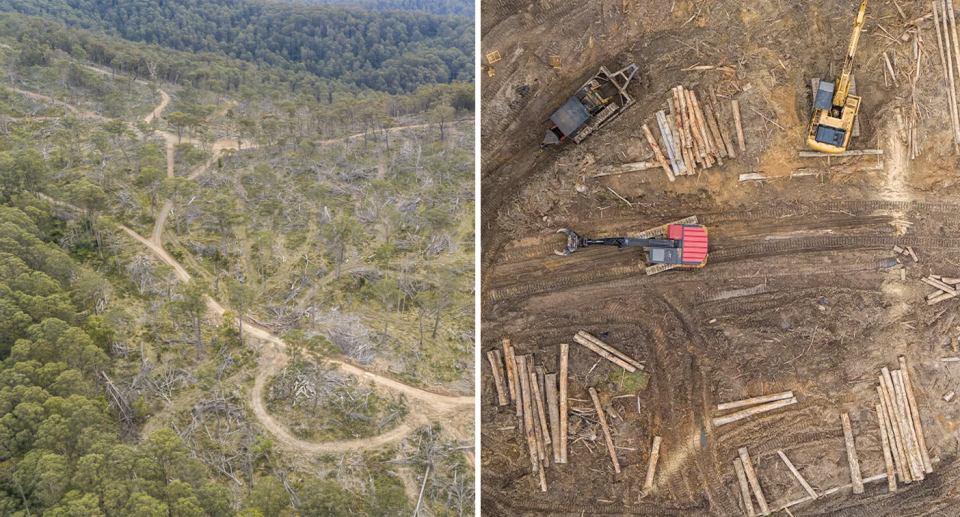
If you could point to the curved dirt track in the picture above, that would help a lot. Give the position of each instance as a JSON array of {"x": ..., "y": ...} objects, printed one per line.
[{"x": 425, "y": 406}]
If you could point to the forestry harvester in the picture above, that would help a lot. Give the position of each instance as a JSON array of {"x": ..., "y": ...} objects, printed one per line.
[
  {"x": 598, "y": 101},
  {"x": 680, "y": 244},
  {"x": 834, "y": 106}
]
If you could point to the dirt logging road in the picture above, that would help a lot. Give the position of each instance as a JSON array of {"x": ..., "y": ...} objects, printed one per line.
[{"x": 426, "y": 407}]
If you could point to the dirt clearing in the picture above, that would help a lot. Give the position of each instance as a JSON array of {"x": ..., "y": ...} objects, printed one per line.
[{"x": 792, "y": 296}]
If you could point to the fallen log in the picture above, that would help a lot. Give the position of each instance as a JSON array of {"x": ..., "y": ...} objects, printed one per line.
[
  {"x": 903, "y": 412},
  {"x": 623, "y": 168},
  {"x": 564, "y": 416},
  {"x": 756, "y": 410},
  {"x": 502, "y": 393},
  {"x": 603, "y": 353},
  {"x": 595, "y": 340},
  {"x": 668, "y": 141},
  {"x": 887, "y": 453},
  {"x": 524, "y": 395},
  {"x": 856, "y": 478},
  {"x": 915, "y": 414},
  {"x": 538, "y": 413},
  {"x": 754, "y": 401},
  {"x": 796, "y": 473},
  {"x": 606, "y": 430},
  {"x": 652, "y": 464},
  {"x": 754, "y": 483},
  {"x": 511, "y": 364},
  {"x": 735, "y": 107},
  {"x": 744, "y": 487},
  {"x": 657, "y": 154},
  {"x": 550, "y": 380},
  {"x": 893, "y": 433}
]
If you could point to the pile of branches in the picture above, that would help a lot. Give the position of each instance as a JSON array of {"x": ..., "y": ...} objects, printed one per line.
[
  {"x": 308, "y": 386},
  {"x": 349, "y": 334}
]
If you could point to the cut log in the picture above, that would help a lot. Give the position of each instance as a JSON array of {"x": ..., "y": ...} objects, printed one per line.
[
  {"x": 720, "y": 147},
  {"x": 906, "y": 424},
  {"x": 564, "y": 417},
  {"x": 503, "y": 395},
  {"x": 856, "y": 478},
  {"x": 698, "y": 135},
  {"x": 744, "y": 487},
  {"x": 893, "y": 413},
  {"x": 541, "y": 402},
  {"x": 956, "y": 43},
  {"x": 527, "y": 403},
  {"x": 796, "y": 473},
  {"x": 606, "y": 430},
  {"x": 603, "y": 353},
  {"x": 538, "y": 413},
  {"x": 511, "y": 365},
  {"x": 754, "y": 483},
  {"x": 652, "y": 464},
  {"x": 754, "y": 401},
  {"x": 667, "y": 137},
  {"x": 627, "y": 359},
  {"x": 756, "y": 410},
  {"x": 893, "y": 433},
  {"x": 687, "y": 123},
  {"x": 702, "y": 125},
  {"x": 550, "y": 380},
  {"x": 953, "y": 87},
  {"x": 915, "y": 414},
  {"x": 937, "y": 298},
  {"x": 623, "y": 168},
  {"x": 735, "y": 107},
  {"x": 887, "y": 453},
  {"x": 853, "y": 152},
  {"x": 939, "y": 285},
  {"x": 657, "y": 154},
  {"x": 672, "y": 122}
]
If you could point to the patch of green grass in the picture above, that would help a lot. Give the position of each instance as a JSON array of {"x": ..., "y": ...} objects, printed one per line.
[{"x": 626, "y": 382}]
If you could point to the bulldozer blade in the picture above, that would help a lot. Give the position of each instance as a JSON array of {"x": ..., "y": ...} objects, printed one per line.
[{"x": 573, "y": 242}]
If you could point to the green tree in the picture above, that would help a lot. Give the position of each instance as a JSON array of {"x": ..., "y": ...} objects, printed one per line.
[
  {"x": 269, "y": 497},
  {"x": 192, "y": 305},
  {"x": 340, "y": 233},
  {"x": 241, "y": 298},
  {"x": 176, "y": 189},
  {"x": 387, "y": 290}
]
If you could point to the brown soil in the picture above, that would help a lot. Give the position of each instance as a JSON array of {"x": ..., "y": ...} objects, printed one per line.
[{"x": 791, "y": 297}]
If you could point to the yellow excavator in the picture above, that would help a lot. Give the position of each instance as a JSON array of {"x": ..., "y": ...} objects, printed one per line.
[{"x": 834, "y": 108}]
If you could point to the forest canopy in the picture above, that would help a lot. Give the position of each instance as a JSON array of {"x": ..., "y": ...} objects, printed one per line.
[
  {"x": 457, "y": 7},
  {"x": 387, "y": 51}
]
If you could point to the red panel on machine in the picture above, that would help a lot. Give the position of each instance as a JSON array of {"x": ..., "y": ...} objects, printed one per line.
[
  {"x": 694, "y": 243},
  {"x": 675, "y": 232}
]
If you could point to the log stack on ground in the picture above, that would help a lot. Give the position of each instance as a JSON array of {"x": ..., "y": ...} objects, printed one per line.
[
  {"x": 947, "y": 288},
  {"x": 755, "y": 406},
  {"x": 694, "y": 131},
  {"x": 901, "y": 427},
  {"x": 607, "y": 352}
]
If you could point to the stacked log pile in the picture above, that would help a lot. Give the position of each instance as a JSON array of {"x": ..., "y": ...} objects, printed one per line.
[{"x": 696, "y": 133}]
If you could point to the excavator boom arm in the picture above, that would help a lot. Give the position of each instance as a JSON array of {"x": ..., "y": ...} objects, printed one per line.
[{"x": 843, "y": 84}]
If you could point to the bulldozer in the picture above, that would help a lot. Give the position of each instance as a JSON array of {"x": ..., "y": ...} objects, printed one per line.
[
  {"x": 597, "y": 102},
  {"x": 680, "y": 244},
  {"x": 834, "y": 106}
]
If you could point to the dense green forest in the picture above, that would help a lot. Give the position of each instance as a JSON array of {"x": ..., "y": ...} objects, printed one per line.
[
  {"x": 386, "y": 51},
  {"x": 337, "y": 218},
  {"x": 455, "y": 7}
]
